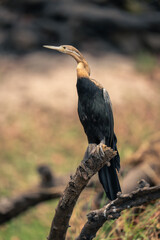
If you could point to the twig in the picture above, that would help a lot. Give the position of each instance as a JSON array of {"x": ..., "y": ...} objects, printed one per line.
[
  {"x": 93, "y": 161},
  {"x": 112, "y": 210}
]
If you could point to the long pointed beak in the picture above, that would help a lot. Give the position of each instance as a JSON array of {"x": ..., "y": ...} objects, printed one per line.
[{"x": 53, "y": 47}]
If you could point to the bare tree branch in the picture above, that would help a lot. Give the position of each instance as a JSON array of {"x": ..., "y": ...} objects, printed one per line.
[
  {"x": 93, "y": 161},
  {"x": 112, "y": 210},
  {"x": 10, "y": 208}
]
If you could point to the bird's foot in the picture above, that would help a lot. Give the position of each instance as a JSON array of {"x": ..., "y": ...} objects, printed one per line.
[{"x": 102, "y": 149}]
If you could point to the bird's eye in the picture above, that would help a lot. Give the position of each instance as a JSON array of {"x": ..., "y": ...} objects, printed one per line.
[{"x": 64, "y": 47}]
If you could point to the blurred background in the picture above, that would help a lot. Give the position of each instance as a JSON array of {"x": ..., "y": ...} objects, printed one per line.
[{"x": 38, "y": 104}]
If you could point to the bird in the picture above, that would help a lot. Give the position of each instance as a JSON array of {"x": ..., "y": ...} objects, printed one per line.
[{"x": 96, "y": 116}]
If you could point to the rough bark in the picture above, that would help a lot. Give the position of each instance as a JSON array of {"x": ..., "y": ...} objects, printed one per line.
[
  {"x": 112, "y": 210},
  {"x": 93, "y": 161}
]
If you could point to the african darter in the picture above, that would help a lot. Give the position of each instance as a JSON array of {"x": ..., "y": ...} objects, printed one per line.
[{"x": 95, "y": 114}]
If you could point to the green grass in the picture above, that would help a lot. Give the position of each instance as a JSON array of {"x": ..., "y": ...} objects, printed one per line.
[
  {"x": 33, "y": 224},
  {"x": 133, "y": 226},
  {"x": 27, "y": 142},
  {"x": 19, "y": 229},
  {"x": 145, "y": 62}
]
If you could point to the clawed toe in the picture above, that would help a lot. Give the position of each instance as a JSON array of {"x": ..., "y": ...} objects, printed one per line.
[{"x": 101, "y": 151}]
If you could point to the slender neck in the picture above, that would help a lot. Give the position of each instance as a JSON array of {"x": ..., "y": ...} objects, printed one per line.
[{"x": 83, "y": 69}]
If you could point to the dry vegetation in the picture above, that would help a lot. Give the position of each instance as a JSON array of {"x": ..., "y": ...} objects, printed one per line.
[{"x": 39, "y": 124}]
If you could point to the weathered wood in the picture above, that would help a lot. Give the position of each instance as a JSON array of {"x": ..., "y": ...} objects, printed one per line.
[
  {"x": 93, "y": 161},
  {"x": 112, "y": 210}
]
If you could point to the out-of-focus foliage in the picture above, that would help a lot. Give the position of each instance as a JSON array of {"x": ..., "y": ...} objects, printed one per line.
[{"x": 123, "y": 26}]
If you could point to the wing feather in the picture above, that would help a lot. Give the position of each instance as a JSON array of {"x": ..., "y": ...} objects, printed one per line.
[{"x": 113, "y": 139}]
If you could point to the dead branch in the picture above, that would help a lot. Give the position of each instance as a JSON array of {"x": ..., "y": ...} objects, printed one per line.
[
  {"x": 93, "y": 161},
  {"x": 112, "y": 210},
  {"x": 144, "y": 163},
  {"x": 10, "y": 208}
]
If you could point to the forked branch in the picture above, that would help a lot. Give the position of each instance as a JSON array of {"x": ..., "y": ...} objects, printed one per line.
[{"x": 112, "y": 210}]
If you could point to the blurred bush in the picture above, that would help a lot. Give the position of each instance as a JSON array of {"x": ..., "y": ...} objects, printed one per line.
[{"x": 125, "y": 25}]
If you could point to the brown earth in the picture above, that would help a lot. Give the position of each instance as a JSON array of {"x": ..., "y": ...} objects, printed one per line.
[{"x": 50, "y": 80}]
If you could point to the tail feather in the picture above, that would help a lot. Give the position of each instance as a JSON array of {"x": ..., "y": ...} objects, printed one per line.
[{"x": 109, "y": 180}]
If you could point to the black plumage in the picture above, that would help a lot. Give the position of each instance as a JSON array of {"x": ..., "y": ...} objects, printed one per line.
[{"x": 95, "y": 113}]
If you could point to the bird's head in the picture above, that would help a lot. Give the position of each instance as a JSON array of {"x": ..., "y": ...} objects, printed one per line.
[
  {"x": 65, "y": 49},
  {"x": 72, "y": 51}
]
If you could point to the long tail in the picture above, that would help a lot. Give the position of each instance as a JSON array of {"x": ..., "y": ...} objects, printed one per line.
[{"x": 109, "y": 180}]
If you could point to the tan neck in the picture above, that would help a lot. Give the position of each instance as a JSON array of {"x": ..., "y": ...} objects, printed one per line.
[{"x": 82, "y": 71}]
